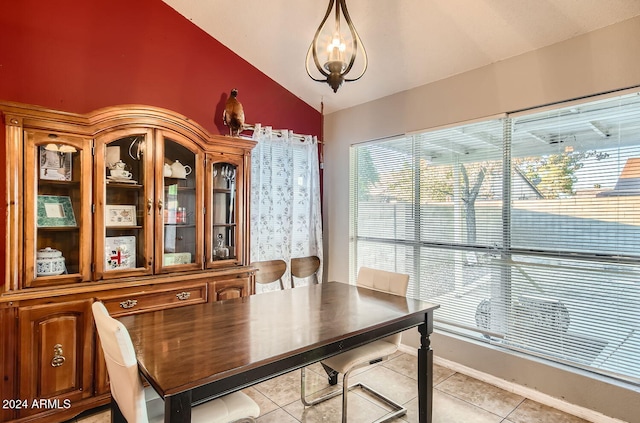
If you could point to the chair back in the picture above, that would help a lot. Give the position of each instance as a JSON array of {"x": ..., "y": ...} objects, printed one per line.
[
  {"x": 381, "y": 280},
  {"x": 122, "y": 366},
  {"x": 270, "y": 271},
  {"x": 303, "y": 267},
  {"x": 390, "y": 282}
]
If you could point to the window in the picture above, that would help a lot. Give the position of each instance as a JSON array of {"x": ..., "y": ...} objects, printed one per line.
[{"x": 525, "y": 229}]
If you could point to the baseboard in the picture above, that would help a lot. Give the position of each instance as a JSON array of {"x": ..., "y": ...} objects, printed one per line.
[{"x": 532, "y": 394}]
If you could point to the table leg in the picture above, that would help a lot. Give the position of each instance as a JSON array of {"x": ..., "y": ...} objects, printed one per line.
[
  {"x": 425, "y": 373},
  {"x": 177, "y": 408}
]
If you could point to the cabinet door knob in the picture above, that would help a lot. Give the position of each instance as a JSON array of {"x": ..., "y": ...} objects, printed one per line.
[
  {"x": 159, "y": 206},
  {"x": 149, "y": 206},
  {"x": 58, "y": 359}
]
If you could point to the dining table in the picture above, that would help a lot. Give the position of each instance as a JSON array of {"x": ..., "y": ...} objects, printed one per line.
[{"x": 195, "y": 353}]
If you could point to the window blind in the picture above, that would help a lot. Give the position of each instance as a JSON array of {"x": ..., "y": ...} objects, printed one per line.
[{"x": 524, "y": 229}]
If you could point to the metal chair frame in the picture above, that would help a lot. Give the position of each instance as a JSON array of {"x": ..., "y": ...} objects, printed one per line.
[
  {"x": 394, "y": 283},
  {"x": 397, "y": 410}
]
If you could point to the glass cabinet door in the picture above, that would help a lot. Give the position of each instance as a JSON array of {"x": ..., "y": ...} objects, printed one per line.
[
  {"x": 179, "y": 236},
  {"x": 224, "y": 220},
  {"x": 57, "y": 193},
  {"x": 124, "y": 212}
]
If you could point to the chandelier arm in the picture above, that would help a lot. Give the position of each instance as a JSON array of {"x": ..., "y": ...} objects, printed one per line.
[
  {"x": 356, "y": 40},
  {"x": 365, "y": 65},
  {"x": 313, "y": 48}
]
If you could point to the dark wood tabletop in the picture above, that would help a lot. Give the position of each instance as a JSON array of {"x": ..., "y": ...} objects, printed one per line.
[{"x": 208, "y": 350}]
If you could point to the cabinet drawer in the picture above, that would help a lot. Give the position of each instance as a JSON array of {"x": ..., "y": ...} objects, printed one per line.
[
  {"x": 227, "y": 289},
  {"x": 138, "y": 302}
]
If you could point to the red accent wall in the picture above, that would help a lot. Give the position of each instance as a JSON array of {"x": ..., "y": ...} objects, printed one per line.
[
  {"x": 82, "y": 55},
  {"x": 79, "y": 56}
]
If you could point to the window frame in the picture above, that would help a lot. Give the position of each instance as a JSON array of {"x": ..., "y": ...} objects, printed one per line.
[{"x": 504, "y": 253}]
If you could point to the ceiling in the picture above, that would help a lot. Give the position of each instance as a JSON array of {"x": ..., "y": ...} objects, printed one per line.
[{"x": 409, "y": 42}]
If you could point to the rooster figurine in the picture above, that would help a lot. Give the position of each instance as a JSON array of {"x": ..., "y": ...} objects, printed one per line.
[{"x": 233, "y": 115}]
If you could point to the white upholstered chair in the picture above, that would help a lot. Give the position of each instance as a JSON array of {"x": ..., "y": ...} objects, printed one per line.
[
  {"x": 139, "y": 405},
  {"x": 371, "y": 353}
]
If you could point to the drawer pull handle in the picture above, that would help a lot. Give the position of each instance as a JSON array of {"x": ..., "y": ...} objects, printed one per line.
[
  {"x": 128, "y": 303},
  {"x": 58, "y": 359},
  {"x": 183, "y": 295}
]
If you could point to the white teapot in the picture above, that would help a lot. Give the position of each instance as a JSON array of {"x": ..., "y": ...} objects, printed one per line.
[
  {"x": 166, "y": 170},
  {"x": 180, "y": 171}
]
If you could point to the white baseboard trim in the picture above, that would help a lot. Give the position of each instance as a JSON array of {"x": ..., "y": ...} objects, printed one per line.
[{"x": 532, "y": 394}]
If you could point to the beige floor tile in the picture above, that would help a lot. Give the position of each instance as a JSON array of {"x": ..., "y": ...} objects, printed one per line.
[
  {"x": 389, "y": 383},
  {"x": 265, "y": 404},
  {"x": 277, "y": 416},
  {"x": 317, "y": 367},
  {"x": 407, "y": 365},
  {"x": 99, "y": 417},
  {"x": 440, "y": 374},
  {"x": 457, "y": 398},
  {"x": 285, "y": 389},
  {"x": 282, "y": 389},
  {"x": 483, "y": 395},
  {"x": 449, "y": 409},
  {"x": 532, "y": 412},
  {"x": 360, "y": 409}
]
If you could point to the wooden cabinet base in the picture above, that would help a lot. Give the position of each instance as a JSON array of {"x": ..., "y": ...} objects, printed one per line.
[
  {"x": 61, "y": 372},
  {"x": 136, "y": 206},
  {"x": 55, "y": 365}
]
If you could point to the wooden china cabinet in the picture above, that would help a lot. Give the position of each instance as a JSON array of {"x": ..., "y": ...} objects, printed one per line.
[{"x": 135, "y": 206}]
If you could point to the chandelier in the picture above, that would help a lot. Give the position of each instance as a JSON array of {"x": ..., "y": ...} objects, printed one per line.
[{"x": 337, "y": 44}]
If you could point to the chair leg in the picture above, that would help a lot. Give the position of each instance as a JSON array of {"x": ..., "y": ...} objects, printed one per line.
[
  {"x": 303, "y": 392},
  {"x": 345, "y": 395},
  {"x": 396, "y": 409}
]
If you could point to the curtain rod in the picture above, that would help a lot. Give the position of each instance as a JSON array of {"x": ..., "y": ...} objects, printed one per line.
[{"x": 252, "y": 127}]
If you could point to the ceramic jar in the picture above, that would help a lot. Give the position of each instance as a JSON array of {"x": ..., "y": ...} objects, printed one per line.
[
  {"x": 118, "y": 165},
  {"x": 49, "y": 262}
]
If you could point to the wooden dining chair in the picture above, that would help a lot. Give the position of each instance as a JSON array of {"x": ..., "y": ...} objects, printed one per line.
[
  {"x": 368, "y": 354},
  {"x": 270, "y": 271},
  {"x": 139, "y": 405},
  {"x": 303, "y": 267}
]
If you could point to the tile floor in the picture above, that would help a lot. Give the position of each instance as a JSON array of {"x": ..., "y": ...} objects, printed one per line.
[{"x": 457, "y": 398}]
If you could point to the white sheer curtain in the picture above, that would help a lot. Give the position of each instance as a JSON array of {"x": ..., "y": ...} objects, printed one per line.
[{"x": 285, "y": 200}]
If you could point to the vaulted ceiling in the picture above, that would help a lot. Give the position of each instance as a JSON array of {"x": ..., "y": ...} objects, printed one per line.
[{"x": 409, "y": 42}]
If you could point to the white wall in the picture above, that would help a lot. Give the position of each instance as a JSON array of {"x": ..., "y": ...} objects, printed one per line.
[{"x": 601, "y": 61}]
